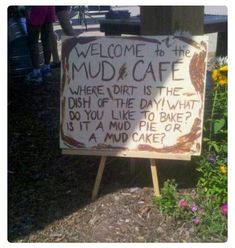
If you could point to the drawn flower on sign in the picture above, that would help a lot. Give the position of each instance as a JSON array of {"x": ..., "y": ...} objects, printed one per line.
[
  {"x": 122, "y": 72},
  {"x": 197, "y": 69}
]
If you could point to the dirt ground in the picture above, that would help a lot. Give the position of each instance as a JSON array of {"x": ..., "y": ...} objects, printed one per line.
[{"x": 49, "y": 194}]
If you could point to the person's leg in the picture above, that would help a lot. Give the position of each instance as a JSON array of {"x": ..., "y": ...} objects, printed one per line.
[
  {"x": 33, "y": 37},
  {"x": 54, "y": 50},
  {"x": 35, "y": 19},
  {"x": 64, "y": 20},
  {"x": 46, "y": 31},
  {"x": 50, "y": 18}
]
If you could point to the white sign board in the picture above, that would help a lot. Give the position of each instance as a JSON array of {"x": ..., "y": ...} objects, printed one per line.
[{"x": 133, "y": 96}]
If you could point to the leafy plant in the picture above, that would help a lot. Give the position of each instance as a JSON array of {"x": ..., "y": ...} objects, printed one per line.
[
  {"x": 206, "y": 207},
  {"x": 212, "y": 165},
  {"x": 167, "y": 200}
]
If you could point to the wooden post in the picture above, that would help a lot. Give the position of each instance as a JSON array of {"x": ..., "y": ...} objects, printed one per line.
[
  {"x": 165, "y": 20},
  {"x": 98, "y": 178},
  {"x": 222, "y": 44},
  {"x": 155, "y": 177}
]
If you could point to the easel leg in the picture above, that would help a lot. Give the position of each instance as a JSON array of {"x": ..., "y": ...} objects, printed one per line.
[
  {"x": 98, "y": 178},
  {"x": 155, "y": 177}
]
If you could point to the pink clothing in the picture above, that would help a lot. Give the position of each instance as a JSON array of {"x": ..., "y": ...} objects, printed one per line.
[{"x": 40, "y": 15}]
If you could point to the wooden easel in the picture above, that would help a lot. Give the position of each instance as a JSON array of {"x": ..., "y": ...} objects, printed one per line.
[{"x": 99, "y": 175}]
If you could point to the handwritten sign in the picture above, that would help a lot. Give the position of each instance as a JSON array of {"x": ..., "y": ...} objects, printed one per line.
[{"x": 133, "y": 96}]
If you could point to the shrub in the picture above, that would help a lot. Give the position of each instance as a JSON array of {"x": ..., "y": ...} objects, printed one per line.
[
  {"x": 212, "y": 165},
  {"x": 206, "y": 207}
]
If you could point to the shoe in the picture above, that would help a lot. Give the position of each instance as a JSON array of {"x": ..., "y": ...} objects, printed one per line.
[
  {"x": 46, "y": 73},
  {"x": 34, "y": 78}
]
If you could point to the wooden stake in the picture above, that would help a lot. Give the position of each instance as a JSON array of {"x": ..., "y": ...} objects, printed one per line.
[
  {"x": 155, "y": 177},
  {"x": 98, "y": 177}
]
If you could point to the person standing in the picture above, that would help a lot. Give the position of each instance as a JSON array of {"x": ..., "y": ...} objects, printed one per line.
[
  {"x": 40, "y": 23},
  {"x": 63, "y": 16}
]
